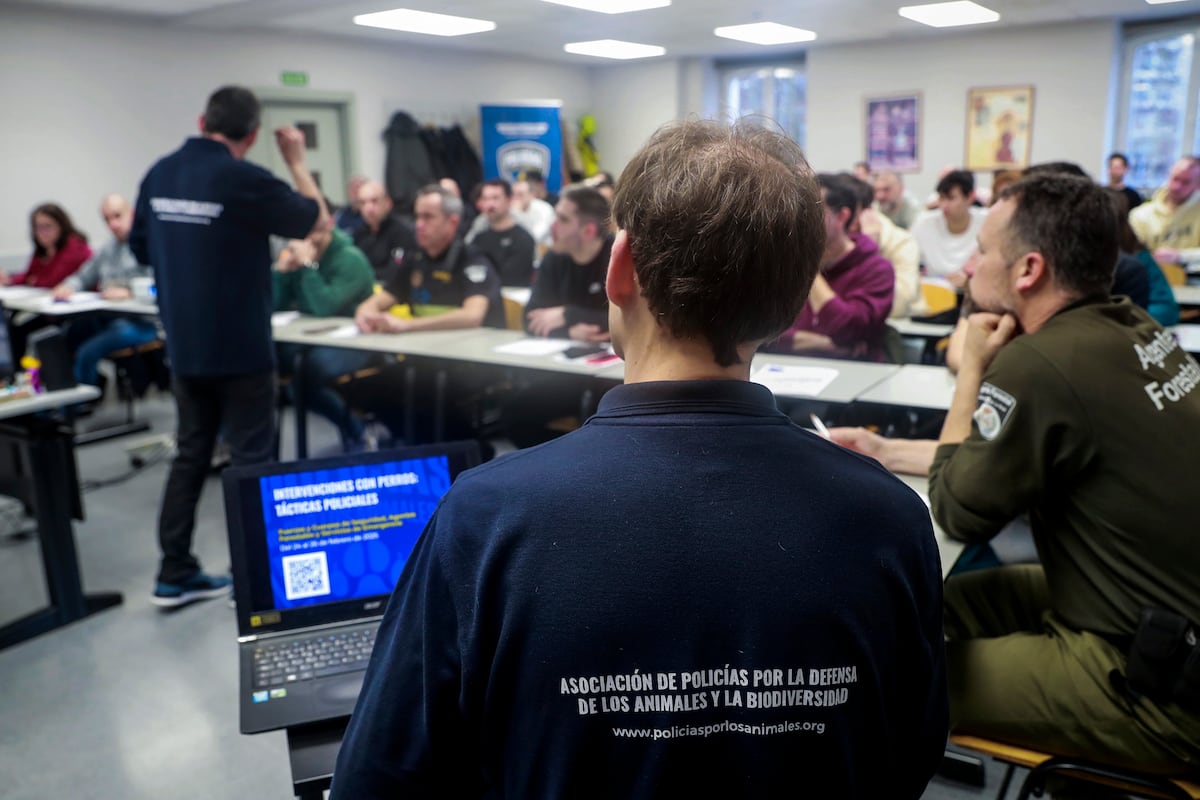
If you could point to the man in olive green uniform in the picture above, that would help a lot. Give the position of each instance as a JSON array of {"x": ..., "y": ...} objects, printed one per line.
[
  {"x": 324, "y": 275},
  {"x": 1083, "y": 413},
  {"x": 1088, "y": 421}
]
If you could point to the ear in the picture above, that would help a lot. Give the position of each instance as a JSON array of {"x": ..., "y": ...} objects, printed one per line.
[
  {"x": 252, "y": 138},
  {"x": 1032, "y": 270},
  {"x": 621, "y": 283},
  {"x": 844, "y": 217},
  {"x": 200, "y": 123}
]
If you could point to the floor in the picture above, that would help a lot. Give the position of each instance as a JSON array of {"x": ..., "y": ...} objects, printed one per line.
[{"x": 132, "y": 702}]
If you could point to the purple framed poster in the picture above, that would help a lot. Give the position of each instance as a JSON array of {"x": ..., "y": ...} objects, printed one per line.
[{"x": 893, "y": 130}]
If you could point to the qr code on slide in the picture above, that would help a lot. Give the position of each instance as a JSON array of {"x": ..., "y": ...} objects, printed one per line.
[{"x": 306, "y": 575}]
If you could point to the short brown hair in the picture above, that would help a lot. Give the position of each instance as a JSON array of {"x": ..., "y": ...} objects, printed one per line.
[
  {"x": 590, "y": 205},
  {"x": 1072, "y": 223},
  {"x": 726, "y": 230}
]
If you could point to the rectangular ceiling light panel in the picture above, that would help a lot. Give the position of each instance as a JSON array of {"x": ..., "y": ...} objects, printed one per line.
[
  {"x": 612, "y": 6},
  {"x": 766, "y": 33},
  {"x": 614, "y": 48},
  {"x": 949, "y": 15},
  {"x": 406, "y": 19}
]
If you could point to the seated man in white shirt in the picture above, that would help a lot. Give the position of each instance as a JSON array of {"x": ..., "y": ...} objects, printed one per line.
[
  {"x": 535, "y": 215},
  {"x": 947, "y": 235}
]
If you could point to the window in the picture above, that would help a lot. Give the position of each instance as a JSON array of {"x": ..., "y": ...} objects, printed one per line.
[
  {"x": 1160, "y": 94},
  {"x": 776, "y": 91}
]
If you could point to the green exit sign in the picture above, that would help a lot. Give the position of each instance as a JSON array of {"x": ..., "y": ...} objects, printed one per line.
[{"x": 293, "y": 78}]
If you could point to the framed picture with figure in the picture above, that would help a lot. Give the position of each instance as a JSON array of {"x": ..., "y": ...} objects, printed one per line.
[
  {"x": 893, "y": 133},
  {"x": 999, "y": 127}
]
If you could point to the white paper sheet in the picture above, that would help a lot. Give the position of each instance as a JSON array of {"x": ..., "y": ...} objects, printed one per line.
[
  {"x": 795, "y": 381},
  {"x": 534, "y": 347},
  {"x": 281, "y": 318},
  {"x": 348, "y": 331}
]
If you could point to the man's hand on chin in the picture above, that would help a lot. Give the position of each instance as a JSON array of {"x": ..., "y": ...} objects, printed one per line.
[{"x": 987, "y": 333}]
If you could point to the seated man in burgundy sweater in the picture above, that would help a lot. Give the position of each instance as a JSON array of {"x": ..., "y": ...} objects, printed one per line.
[{"x": 847, "y": 311}]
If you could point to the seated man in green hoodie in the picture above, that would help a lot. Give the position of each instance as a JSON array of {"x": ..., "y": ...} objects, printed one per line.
[{"x": 324, "y": 275}]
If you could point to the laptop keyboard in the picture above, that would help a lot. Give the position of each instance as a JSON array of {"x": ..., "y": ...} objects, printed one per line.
[{"x": 317, "y": 657}]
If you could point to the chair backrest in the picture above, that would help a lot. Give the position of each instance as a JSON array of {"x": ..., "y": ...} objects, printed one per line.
[
  {"x": 514, "y": 315},
  {"x": 938, "y": 295},
  {"x": 1041, "y": 764},
  {"x": 1175, "y": 274}
]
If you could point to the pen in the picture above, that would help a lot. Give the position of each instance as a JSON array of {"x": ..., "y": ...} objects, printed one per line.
[{"x": 820, "y": 426}]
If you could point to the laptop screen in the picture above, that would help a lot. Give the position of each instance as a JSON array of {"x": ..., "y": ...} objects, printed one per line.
[{"x": 322, "y": 541}]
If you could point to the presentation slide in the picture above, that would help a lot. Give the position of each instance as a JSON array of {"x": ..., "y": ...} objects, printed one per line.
[{"x": 345, "y": 533}]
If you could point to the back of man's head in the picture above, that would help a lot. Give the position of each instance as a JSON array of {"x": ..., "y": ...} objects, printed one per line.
[
  {"x": 726, "y": 230},
  {"x": 232, "y": 112},
  {"x": 959, "y": 179},
  {"x": 1071, "y": 222},
  {"x": 841, "y": 191},
  {"x": 590, "y": 207},
  {"x": 1058, "y": 168}
]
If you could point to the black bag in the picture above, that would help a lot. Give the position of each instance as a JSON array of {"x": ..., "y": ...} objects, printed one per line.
[{"x": 1164, "y": 659}]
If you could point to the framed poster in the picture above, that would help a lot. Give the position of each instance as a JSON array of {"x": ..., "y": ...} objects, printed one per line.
[
  {"x": 893, "y": 131},
  {"x": 999, "y": 127}
]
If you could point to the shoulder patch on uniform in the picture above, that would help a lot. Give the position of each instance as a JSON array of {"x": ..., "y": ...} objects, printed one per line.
[
  {"x": 476, "y": 273},
  {"x": 994, "y": 408}
]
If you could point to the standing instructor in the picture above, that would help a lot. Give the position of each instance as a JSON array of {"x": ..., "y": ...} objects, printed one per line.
[{"x": 203, "y": 218}]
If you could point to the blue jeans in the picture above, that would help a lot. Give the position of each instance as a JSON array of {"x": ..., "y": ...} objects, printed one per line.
[
  {"x": 106, "y": 336},
  {"x": 321, "y": 366}
]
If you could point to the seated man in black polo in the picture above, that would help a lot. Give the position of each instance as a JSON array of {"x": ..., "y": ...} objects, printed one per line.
[
  {"x": 383, "y": 237},
  {"x": 446, "y": 286},
  {"x": 568, "y": 301},
  {"x": 509, "y": 246}
]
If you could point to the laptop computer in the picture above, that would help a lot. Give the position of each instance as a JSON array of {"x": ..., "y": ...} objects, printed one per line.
[{"x": 316, "y": 548}]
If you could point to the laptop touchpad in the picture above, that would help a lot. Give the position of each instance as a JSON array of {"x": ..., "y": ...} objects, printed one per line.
[{"x": 342, "y": 688}]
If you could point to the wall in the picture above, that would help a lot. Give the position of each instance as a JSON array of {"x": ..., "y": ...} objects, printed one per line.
[
  {"x": 1070, "y": 67},
  {"x": 90, "y": 102},
  {"x": 631, "y": 101}
]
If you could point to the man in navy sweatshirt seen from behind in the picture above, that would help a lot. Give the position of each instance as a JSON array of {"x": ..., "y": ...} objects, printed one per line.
[{"x": 689, "y": 596}]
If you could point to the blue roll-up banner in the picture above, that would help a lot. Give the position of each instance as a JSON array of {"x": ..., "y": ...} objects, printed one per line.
[{"x": 520, "y": 138}]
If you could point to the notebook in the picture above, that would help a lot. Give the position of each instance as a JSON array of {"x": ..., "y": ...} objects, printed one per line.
[{"x": 316, "y": 547}]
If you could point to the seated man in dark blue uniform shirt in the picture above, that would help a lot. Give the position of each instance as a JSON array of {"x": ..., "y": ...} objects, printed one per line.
[
  {"x": 444, "y": 285},
  {"x": 689, "y": 596},
  {"x": 204, "y": 216}
]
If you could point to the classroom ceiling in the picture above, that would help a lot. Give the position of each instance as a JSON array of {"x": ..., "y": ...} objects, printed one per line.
[{"x": 532, "y": 28}]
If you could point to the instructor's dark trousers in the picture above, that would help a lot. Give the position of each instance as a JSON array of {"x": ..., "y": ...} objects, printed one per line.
[{"x": 242, "y": 408}]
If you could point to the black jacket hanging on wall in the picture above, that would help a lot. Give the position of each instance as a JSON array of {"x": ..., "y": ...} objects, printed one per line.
[{"x": 408, "y": 166}]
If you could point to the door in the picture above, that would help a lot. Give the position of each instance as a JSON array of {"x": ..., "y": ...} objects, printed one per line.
[{"x": 323, "y": 125}]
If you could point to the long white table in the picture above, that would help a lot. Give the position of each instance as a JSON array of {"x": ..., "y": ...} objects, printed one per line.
[
  {"x": 48, "y": 447},
  {"x": 1187, "y": 295},
  {"x": 913, "y": 386},
  {"x": 923, "y": 330},
  {"x": 1189, "y": 337},
  {"x": 41, "y": 301},
  {"x": 480, "y": 346}
]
